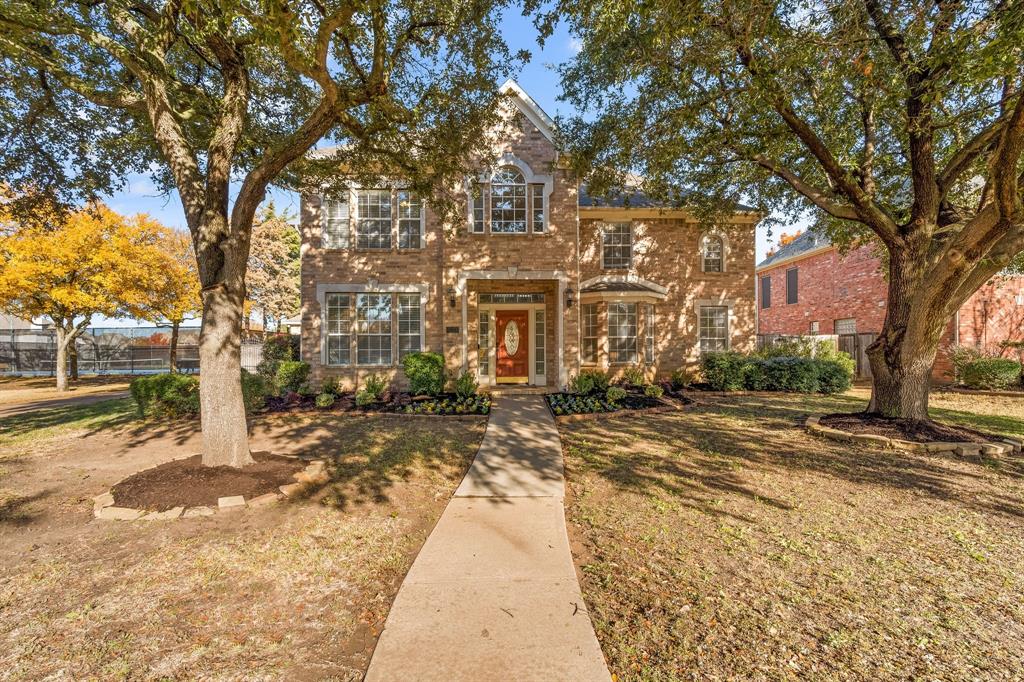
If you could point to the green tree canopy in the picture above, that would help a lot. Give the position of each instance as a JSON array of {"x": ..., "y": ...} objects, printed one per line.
[{"x": 893, "y": 120}]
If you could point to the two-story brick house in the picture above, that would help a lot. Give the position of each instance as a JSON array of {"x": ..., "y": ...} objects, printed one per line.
[{"x": 540, "y": 281}]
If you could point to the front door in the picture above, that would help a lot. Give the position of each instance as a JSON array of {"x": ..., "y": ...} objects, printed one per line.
[{"x": 513, "y": 366}]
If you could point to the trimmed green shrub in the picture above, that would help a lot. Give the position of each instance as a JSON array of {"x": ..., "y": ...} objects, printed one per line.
[
  {"x": 633, "y": 376},
  {"x": 992, "y": 373},
  {"x": 331, "y": 385},
  {"x": 364, "y": 398},
  {"x": 277, "y": 348},
  {"x": 614, "y": 394},
  {"x": 797, "y": 374},
  {"x": 723, "y": 370},
  {"x": 425, "y": 372},
  {"x": 324, "y": 400},
  {"x": 466, "y": 385},
  {"x": 589, "y": 381},
  {"x": 653, "y": 391},
  {"x": 374, "y": 387},
  {"x": 834, "y": 376},
  {"x": 680, "y": 378},
  {"x": 166, "y": 395},
  {"x": 291, "y": 375},
  {"x": 254, "y": 391}
]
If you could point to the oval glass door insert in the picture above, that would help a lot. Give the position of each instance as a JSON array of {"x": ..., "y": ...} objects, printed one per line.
[{"x": 512, "y": 337}]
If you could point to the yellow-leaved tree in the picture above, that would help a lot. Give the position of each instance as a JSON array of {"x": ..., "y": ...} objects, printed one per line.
[
  {"x": 174, "y": 292},
  {"x": 91, "y": 262}
]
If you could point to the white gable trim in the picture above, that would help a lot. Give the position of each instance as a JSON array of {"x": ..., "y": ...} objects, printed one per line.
[{"x": 529, "y": 108}]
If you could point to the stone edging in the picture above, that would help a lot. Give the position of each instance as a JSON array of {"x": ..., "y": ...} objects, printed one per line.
[
  {"x": 666, "y": 406},
  {"x": 995, "y": 448},
  {"x": 314, "y": 473}
]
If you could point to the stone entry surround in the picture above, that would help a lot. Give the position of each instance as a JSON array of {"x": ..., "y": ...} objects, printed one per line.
[{"x": 493, "y": 594}]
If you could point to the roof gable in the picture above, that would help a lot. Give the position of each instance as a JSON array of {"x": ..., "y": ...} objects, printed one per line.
[
  {"x": 529, "y": 108},
  {"x": 804, "y": 243}
]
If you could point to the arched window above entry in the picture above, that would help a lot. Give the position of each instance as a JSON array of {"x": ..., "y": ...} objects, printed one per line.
[
  {"x": 508, "y": 201},
  {"x": 512, "y": 200}
]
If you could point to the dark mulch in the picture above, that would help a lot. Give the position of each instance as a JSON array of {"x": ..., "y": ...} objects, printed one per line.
[
  {"x": 903, "y": 429},
  {"x": 186, "y": 482}
]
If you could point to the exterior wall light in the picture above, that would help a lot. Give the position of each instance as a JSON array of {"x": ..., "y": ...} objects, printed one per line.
[{"x": 569, "y": 297}]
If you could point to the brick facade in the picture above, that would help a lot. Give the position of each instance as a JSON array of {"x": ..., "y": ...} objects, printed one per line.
[{"x": 456, "y": 266}]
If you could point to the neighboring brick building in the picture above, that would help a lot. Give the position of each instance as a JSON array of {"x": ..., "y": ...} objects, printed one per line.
[
  {"x": 539, "y": 281},
  {"x": 807, "y": 287}
]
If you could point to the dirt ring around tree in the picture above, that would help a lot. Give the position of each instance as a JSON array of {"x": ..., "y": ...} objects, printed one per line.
[
  {"x": 898, "y": 435},
  {"x": 183, "y": 488}
]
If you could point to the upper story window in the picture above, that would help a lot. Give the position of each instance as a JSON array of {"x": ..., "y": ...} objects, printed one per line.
[
  {"x": 766, "y": 292},
  {"x": 508, "y": 201},
  {"x": 512, "y": 201},
  {"x": 792, "y": 285},
  {"x": 374, "y": 219},
  {"x": 616, "y": 246},
  {"x": 713, "y": 254}
]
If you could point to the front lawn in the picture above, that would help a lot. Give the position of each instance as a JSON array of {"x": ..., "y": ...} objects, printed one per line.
[
  {"x": 725, "y": 542},
  {"x": 15, "y": 389},
  {"x": 298, "y": 590}
]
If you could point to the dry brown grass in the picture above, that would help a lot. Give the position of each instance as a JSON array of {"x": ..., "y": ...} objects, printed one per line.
[
  {"x": 296, "y": 591},
  {"x": 724, "y": 542}
]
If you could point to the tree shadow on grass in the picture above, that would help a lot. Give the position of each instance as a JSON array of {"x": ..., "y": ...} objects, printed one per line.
[
  {"x": 719, "y": 445},
  {"x": 92, "y": 417}
]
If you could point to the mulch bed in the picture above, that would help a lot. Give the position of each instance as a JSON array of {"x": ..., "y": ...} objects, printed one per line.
[
  {"x": 903, "y": 429},
  {"x": 186, "y": 482},
  {"x": 397, "y": 402}
]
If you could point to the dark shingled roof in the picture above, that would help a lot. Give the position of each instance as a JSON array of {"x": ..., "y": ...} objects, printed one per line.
[
  {"x": 606, "y": 287},
  {"x": 807, "y": 241},
  {"x": 634, "y": 199}
]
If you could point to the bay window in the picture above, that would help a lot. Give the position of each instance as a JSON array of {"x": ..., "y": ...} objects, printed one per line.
[
  {"x": 589, "y": 314},
  {"x": 339, "y": 329},
  {"x": 622, "y": 332}
]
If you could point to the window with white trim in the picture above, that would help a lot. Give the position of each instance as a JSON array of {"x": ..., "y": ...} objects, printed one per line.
[
  {"x": 410, "y": 325},
  {"x": 537, "y": 207},
  {"x": 538, "y": 343},
  {"x": 508, "y": 201},
  {"x": 410, "y": 220},
  {"x": 479, "y": 217},
  {"x": 589, "y": 313},
  {"x": 622, "y": 332},
  {"x": 339, "y": 329},
  {"x": 714, "y": 327},
  {"x": 335, "y": 224},
  {"x": 616, "y": 246},
  {"x": 373, "y": 329},
  {"x": 649, "y": 333},
  {"x": 373, "y": 219},
  {"x": 714, "y": 250},
  {"x": 483, "y": 344}
]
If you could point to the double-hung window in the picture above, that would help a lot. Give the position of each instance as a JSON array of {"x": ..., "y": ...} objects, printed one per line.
[
  {"x": 410, "y": 323},
  {"x": 479, "y": 216},
  {"x": 410, "y": 220},
  {"x": 589, "y": 311},
  {"x": 714, "y": 327},
  {"x": 622, "y": 332},
  {"x": 335, "y": 224},
  {"x": 616, "y": 246},
  {"x": 373, "y": 329},
  {"x": 339, "y": 329},
  {"x": 373, "y": 219},
  {"x": 537, "y": 207},
  {"x": 713, "y": 254},
  {"x": 649, "y": 333}
]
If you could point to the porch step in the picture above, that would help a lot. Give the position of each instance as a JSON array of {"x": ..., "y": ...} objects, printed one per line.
[{"x": 514, "y": 390}]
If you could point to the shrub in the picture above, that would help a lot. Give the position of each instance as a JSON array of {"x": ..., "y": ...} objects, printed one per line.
[
  {"x": 425, "y": 372},
  {"x": 364, "y": 398},
  {"x": 331, "y": 385},
  {"x": 466, "y": 385},
  {"x": 992, "y": 373},
  {"x": 634, "y": 376},
  {"x": 166, "y": 395},
  {"x": 960, "y": 356},
  {"x": 589, "y": 381},
  {"x": 254, "y": 391},
  {"x": 723, "y": 370},
  {"x": 834, "y": 376},
  {"x": 680, "y": 378},
  {"x": 614, "y": 394},
  {"x": 653, "y": 391},
  {"x": 324, "y": 400},
  {"x": 291, "y": 375},
  {"x": 306, "y": 390},
  {"x": 374, "y": 387},
  {"x": 277, "y": 348}
]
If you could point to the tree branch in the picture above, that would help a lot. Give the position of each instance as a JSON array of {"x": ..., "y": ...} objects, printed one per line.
[{"x": 813, "y": 194}]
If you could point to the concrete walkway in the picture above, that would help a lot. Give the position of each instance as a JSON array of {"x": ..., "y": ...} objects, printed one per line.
[{"x": 493, "y": 593}]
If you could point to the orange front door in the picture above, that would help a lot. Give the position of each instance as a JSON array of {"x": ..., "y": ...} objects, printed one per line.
[{"x": 513, "y": 365}]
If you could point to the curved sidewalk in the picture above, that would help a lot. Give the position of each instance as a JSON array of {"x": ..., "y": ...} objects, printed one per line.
[{"x": 493, "y": 593}]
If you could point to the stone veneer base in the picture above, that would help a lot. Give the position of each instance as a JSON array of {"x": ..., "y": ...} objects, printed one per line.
[
  {"x": 994, "y": 448},
  {"x": 104, "y": 509}
]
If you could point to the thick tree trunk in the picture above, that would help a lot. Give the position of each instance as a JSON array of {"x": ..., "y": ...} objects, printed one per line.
[
  {"x": 60, "y": 369},
  {"x": 173, "y": 350},
  {"x": 73, "y": 360},
  {"x": 225, "y": 431}
]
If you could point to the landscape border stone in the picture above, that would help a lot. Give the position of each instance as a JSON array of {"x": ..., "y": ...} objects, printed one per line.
[
  {"x": 104, "y": 509},
  {"x": 666, "y": 406},
  {"x": 997, "y": 447}
]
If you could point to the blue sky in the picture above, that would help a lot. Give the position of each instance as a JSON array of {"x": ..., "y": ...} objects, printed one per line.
[{"x": 538, "y": 78}]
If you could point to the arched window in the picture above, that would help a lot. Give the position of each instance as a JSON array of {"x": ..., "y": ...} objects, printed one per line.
[
  {"x": 508, "y": 201},
  {"x": 713, "y": 256}
]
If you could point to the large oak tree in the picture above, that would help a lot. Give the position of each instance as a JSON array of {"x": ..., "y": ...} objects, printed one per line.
[
  {"x": 221, "y": 99},
  {"x": 893, "y": 120}
]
